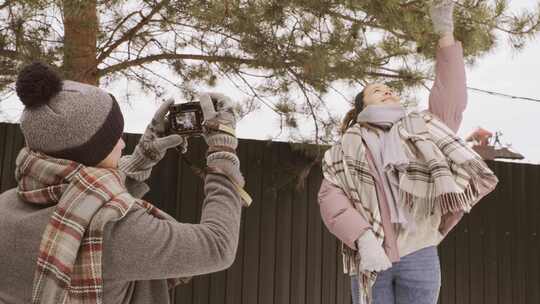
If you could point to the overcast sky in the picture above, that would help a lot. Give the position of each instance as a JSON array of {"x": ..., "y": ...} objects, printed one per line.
[{"x": 504, "y": 70}]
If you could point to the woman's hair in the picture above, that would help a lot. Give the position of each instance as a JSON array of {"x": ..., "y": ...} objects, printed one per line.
[{"x": 350, "y": 117}]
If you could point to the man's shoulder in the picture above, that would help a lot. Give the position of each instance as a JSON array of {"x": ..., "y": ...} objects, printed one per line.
[
  {"x": 8, "y": 195},
  {"x": 12, "y": 205}
]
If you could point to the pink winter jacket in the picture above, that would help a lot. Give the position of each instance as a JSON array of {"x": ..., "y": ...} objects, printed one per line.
[{"x": 447, "y": 100}]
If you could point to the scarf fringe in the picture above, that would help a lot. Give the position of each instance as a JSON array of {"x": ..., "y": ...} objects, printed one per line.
[
  {"x": 350, "y": 261},
  {"x": 447, "y": 202},
  {"x": 480, "y": 177},
  {"x": 365, "y": 288},
  {"x": 365, "y": 280}
]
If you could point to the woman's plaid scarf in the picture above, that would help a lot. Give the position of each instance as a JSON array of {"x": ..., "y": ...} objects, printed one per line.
[
  {"x": 443, "y": 172},
  {"x": 69, "y": 264}
]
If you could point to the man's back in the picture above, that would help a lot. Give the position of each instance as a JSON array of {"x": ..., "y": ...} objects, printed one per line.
[
  {"x": 140, "y": 251},
  {"x": 21, "y": 227}
]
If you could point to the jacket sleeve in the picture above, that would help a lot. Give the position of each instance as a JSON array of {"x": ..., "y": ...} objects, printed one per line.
[
  {"x": 143, "y": 247},
  {"x": 448, "y": 96},
  {"x": 339, "y": 215}
]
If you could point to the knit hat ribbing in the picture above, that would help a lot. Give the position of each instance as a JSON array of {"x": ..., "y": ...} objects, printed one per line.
[{"x": 80, "y": 122}]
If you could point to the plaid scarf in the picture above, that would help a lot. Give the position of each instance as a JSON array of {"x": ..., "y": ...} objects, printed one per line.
[
  {"x": 443, "y": 172},
  {"x": 69, "y": 263}
]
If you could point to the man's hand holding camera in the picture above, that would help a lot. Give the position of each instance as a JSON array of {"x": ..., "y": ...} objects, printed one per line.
[
  {"x": 152, "y": 146},
  {"x": 220, "y": 122},
  {"x": 219, "y": 133}
]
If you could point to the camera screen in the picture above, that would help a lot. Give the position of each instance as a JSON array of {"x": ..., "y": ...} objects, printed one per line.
[{"x": 186, "y": 120}]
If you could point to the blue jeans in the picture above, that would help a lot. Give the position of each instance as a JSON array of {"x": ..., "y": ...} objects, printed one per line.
[{"x": 415, "y": 279}]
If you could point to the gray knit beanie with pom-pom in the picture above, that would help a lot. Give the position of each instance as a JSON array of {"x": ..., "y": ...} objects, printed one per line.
[{"x": 67, "y": 119}]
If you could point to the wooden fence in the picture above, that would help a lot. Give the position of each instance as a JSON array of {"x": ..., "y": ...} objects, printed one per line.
[{"x": 286, "y": 255}]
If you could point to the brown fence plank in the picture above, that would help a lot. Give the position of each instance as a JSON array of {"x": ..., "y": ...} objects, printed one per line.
[
  {"x": 7, "y": 162},
  {"x": 505, "y": 236},
  {"x": 188, "y": 211},
  {"x": 447, "y": 256},
  {"x": 218, "y": 283},
  {"x": 532, "y": 261},
  {"x": 315, "y": 250},
  {"x": 18, "y": 145},
  {"x": 462, "y": 261},
  {"x": 476, "y": 253},
  {"x": 329, "y": 265},
  {"x": 490, "y": 258},
  {"x": 299, "y": 239},
  {"x": 131, "y": 141},
  {"x": 329, "y": 257},
  {"x": 267, "y": 261},
  {"x": 253, "y": 214},
  {"x": 163, "y": 181},
  {"x": 520, "y": 237},
  {"x": 284, "y": 222}
]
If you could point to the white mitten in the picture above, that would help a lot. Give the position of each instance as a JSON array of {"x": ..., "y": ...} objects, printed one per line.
[
  {"x": 441, "y": 12},
  {"x": 372, "y": 255}
]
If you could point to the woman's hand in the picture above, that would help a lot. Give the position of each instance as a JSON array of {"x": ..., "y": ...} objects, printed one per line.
[
  {"x": 372, "y": 255},
  {"x": 441, "y": 13}
]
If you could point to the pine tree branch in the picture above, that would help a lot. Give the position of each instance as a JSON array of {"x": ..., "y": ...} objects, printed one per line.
[
  {"x": 158, "y": 57},
  {"x": 120, "y": 24},
  {"x": 132, "y": 32},
  {"x": 5, "y": 4},
  {"x": 368, "y": 24},
  {"x": 9, "y": 54},
  {"x": 378, "y": 74}
]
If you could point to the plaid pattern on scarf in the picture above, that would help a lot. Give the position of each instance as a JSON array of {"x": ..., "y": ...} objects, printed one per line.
[
  {"x": 69, "y": 264},
  {"x": 443, "y": 172}
]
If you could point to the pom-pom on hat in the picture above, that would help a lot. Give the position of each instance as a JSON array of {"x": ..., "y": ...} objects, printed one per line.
[{"x": 67, "y": 119}]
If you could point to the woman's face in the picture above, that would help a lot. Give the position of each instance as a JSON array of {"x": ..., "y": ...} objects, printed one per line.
[
  {"x": 379, "y": 94},
  {"x": 111, "y": 161}
]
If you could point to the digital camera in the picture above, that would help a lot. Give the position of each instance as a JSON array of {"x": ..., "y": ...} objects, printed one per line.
[{"x": 186, "y": 119}]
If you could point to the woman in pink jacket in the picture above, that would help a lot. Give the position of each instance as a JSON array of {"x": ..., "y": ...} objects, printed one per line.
[{"x": 398, "y": 182}]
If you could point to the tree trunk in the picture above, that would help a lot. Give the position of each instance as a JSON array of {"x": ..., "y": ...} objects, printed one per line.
[{"x": 80, "y": 38}]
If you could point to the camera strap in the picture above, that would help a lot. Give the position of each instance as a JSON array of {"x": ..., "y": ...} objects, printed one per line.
[
  {"x": 243, "y": 193},
  {"x": 246, "y": 198}
]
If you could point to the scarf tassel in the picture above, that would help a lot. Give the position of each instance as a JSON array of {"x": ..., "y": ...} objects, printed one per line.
[
  {"x": 350, "y": 263},
  {"x": 447, "y": 202},
  {"x": 480, "y": 177}
]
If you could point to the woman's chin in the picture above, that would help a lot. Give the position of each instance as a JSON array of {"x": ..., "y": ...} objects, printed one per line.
[{"x": 389, "y": 103}]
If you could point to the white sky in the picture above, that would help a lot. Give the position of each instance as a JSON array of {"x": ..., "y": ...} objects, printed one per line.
[{"x": 503, "y": 71}]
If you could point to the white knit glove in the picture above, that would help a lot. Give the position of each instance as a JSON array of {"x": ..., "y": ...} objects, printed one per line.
[
  {"x": 224, "y": 115},
  {"x": 221, "y": 143},
  {"x": 372, "y": 255},
  {"x": 441, "y": 12},
  {"x": 152, "y": 146}
]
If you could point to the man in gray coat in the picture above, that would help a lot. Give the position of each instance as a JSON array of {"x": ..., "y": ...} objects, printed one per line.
[{"x": 75, "y": 231}]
